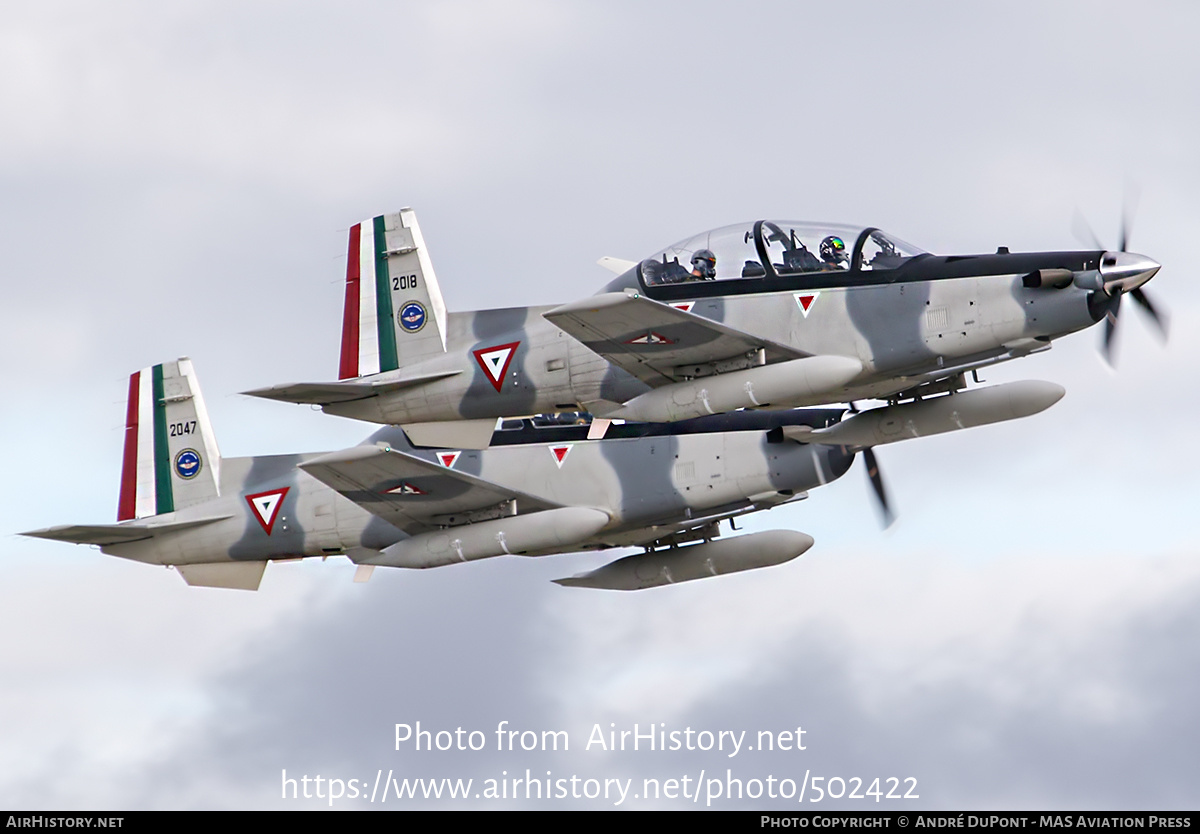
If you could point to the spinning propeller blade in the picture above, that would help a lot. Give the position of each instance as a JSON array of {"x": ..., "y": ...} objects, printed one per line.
[
  {"x": 877, "y": 485},
  {"x": 1159, "y": 319},
  {"x": 1128, "y": 206},
  {"x": 1110, "y": 296},
  {"x": 876, "y": 480},
  {"x": 1110, "y": 329}
]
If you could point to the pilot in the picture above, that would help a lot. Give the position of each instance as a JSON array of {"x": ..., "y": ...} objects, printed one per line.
[
  {"x": 704, "y": 265},
  {"x": 833, "y": 253}
]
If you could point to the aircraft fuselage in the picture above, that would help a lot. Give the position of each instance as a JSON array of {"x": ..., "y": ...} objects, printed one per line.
[
  {"x": 648, "y": 485},
  {"x": 903, "y": 333}
]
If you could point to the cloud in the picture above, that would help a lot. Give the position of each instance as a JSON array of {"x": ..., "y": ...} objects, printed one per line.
[
  {"x": 178, "y": 180},
  {"x": 1036, "y": 682}
]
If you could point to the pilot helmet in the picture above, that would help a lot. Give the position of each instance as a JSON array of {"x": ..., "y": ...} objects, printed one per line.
[
  {"x": 833, "y": 250},
  {"x": 704, "y": 263}
]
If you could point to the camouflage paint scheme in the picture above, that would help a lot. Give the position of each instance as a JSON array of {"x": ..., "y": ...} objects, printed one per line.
[
  {"x": 649, "y": 485},
  {"x": 707, "y": 366},
  {"x": 889, "y": 321}
]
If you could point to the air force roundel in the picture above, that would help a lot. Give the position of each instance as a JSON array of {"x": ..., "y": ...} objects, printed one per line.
[
  {"x": 412, "y": 316},
  {"x": 187, "y": 464}
]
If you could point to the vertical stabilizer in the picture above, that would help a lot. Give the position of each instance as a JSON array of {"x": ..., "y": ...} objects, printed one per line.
[
  {"x": 171, "y": 458},
  {"x": 394, "y": 312}
]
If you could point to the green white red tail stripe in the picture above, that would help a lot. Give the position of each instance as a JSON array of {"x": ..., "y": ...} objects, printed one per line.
[
  {"x": 368, "y": 329},
  {"x": 127, "y": 503},
  {"x": 387, "y": 268},
  {"x": 348, "y": 366},
  {"x": 145, "y": 474},
  {"x": 170, "y": 458}
]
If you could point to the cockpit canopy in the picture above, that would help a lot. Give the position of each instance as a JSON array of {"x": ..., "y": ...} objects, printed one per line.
[{"x": 774, "y": 248}]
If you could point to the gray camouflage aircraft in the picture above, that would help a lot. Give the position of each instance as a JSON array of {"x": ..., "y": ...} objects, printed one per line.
[
  {"x": 542, "y": 487},
  {"x": 769, "y": 314}
]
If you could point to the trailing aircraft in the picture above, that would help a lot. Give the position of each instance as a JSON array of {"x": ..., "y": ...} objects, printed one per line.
[
  {"x": 542, "y": 486},
  {"x": 762, "y": 315}
]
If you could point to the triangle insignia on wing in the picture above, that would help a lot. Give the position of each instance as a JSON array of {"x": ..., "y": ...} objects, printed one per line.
[
  {"x": 264, "y": 506},
  {"x": 650, "y": 338},
  {"x": 686, "y": 306},
  {"x": 448, "y": 459},
  {"x": 560, "y": 453},
  {"x": 406, "y": 489},
  {"x": 805, "y": 301},
  {"x": 495, "y": 360}
]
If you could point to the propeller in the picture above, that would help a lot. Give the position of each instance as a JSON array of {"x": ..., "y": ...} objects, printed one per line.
[
  {"x": 876, "y": 480},
  {"x": 1110, "y": 329},
  {"x": 1121, "y": 273},
  {"x": 877, "y": 484},
  {"x": 1159, "y": 319}
]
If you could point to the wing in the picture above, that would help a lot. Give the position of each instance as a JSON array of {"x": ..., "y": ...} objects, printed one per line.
[
  {"x": 414, "y": 494},
  {"x": 660, "y": 344}
]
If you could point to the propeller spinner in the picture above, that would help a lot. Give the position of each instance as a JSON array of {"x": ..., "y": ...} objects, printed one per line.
[{"x": 1121, "y": 272}]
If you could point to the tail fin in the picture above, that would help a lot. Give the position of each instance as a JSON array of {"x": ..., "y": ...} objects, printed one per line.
[
  {"x": 171, "y": 458},
  {"x": 393, "y": 303}
]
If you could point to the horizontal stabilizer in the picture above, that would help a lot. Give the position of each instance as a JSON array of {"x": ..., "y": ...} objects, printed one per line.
[
  {"x": 314, "y": 393},
  {"x": 245, "y": 576},
  {"x": 106, "y": 534},
  {"x": 328, "y": 393}
]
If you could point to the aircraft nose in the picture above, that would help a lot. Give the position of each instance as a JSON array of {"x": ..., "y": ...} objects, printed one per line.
[{"x": 1125, "y": 271}]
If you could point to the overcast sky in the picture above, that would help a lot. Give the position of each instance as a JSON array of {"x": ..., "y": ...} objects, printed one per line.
[{"x": 177, "y": 179}]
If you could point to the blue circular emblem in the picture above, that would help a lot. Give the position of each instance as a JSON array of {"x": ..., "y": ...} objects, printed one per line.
[
  {"x": 412, "y": 316},
  {"x": 187, "y": 464}
]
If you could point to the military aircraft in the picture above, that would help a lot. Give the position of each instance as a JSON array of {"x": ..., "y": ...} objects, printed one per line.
[
  {"x": 768, "y": 314},
  {"x": 541, "y": 487}
]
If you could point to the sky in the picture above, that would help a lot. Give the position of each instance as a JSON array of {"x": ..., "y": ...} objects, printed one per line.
[{"x": 177, "y": 180}]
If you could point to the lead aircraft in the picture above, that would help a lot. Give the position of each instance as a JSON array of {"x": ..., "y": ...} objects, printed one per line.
[
  {"x": 542, "y": 487},
  {"x": 771, "y": 314}
]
